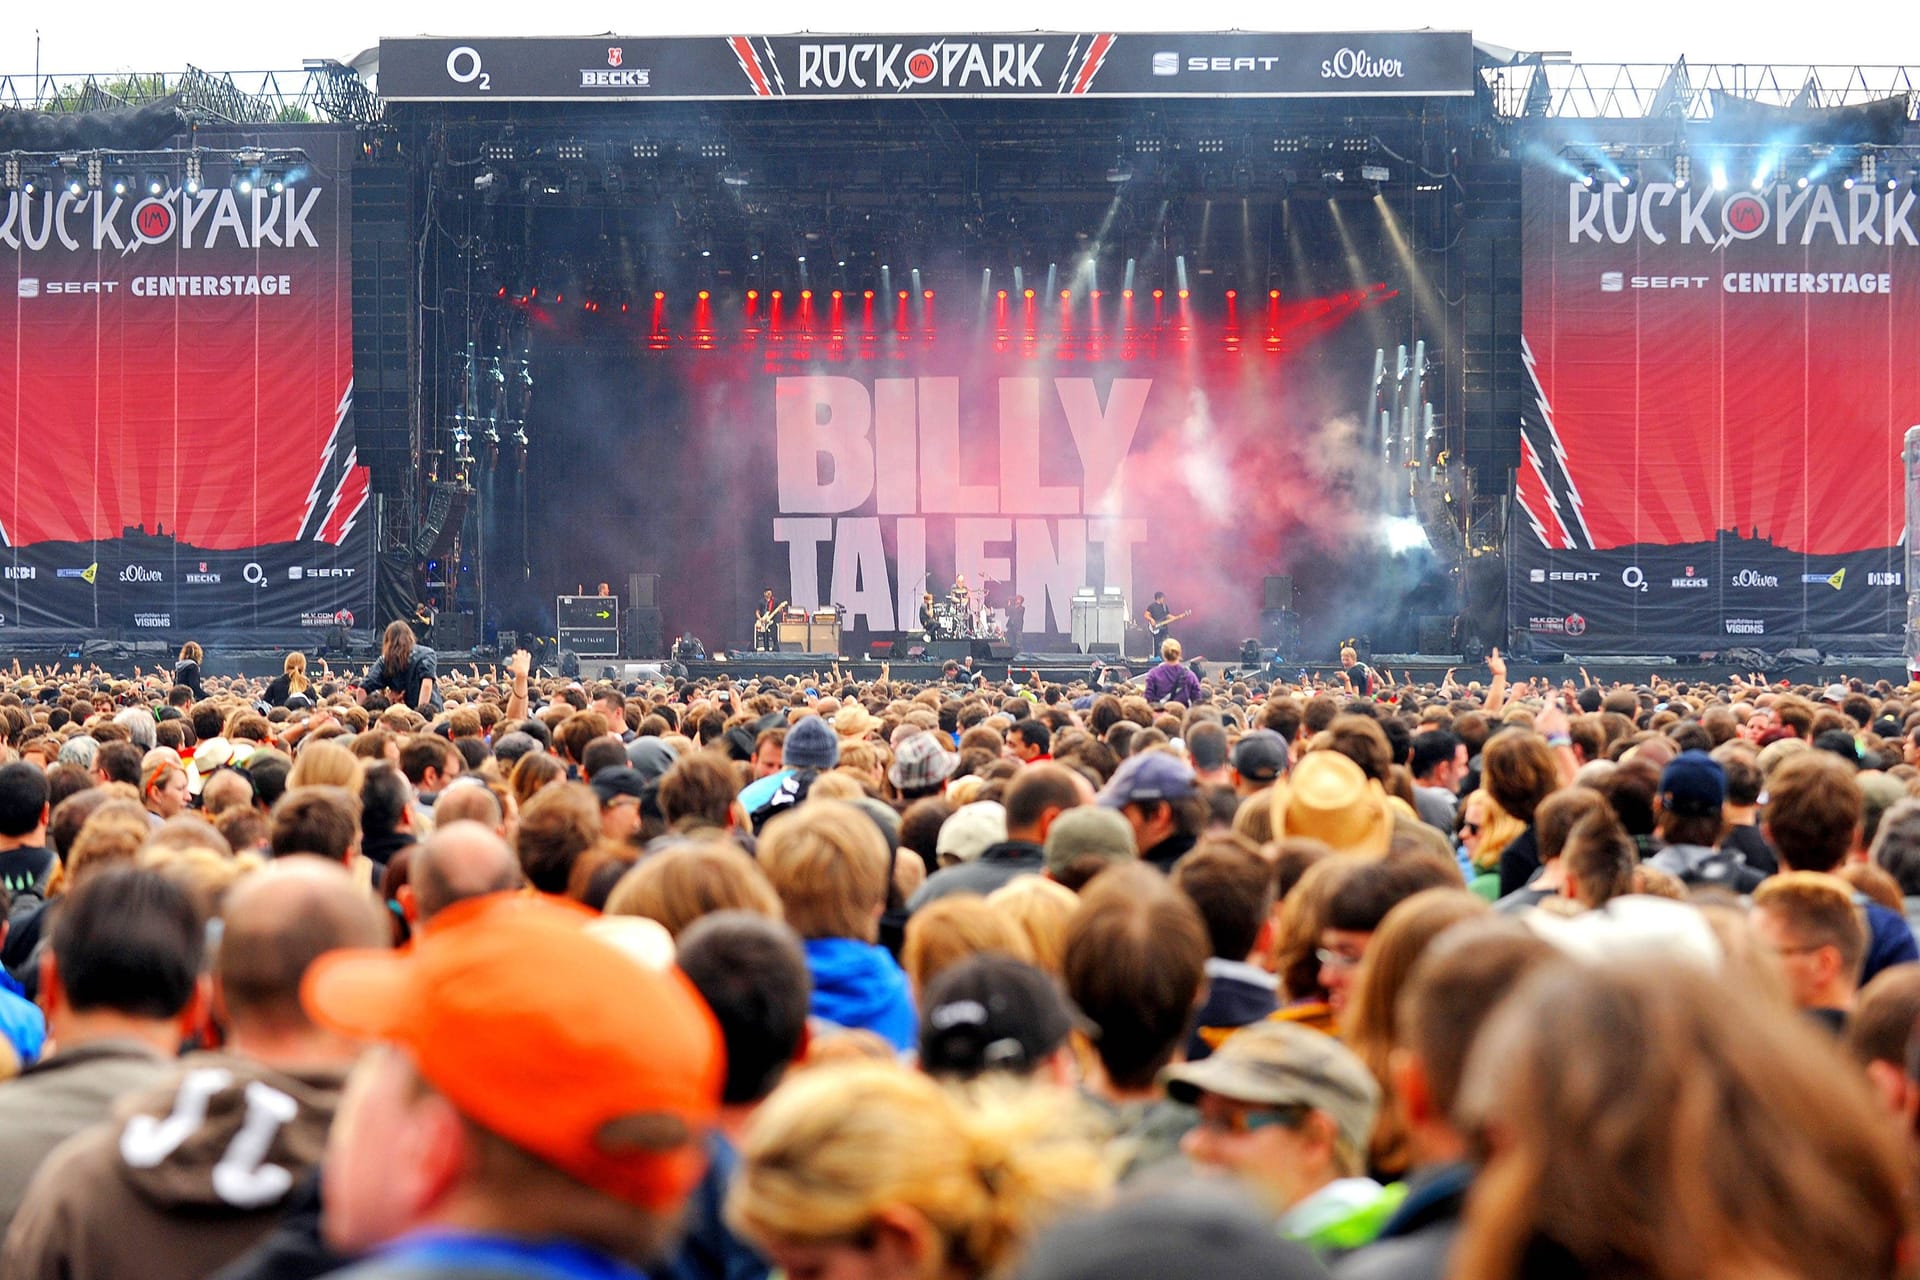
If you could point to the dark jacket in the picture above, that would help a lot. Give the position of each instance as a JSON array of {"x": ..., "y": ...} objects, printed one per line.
[
  {"x": 1235, "y": 998},
  {"x": 294, "y": 1250},
  {"x": 1169, "y": 851},
  {"x": 708, "y": 1249},
  {"x": 404, "y": 686},
  {"x": 1519, "y": 860},
  {"x": 996, "y": 865}
]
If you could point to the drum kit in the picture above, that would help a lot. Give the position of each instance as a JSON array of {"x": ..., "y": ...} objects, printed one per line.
[{"x": 963, "y": 617}]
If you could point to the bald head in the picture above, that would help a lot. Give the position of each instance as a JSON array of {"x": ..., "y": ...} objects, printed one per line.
[
  {"x": 458, "y": 861},
  {"x": 225, "y": 789},
  {"x": 276, "y": 922},
  {"x": 468, "y": 802}
]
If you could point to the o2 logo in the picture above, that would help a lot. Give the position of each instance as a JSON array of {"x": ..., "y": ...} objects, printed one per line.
[{"x": 463, "y": 67}]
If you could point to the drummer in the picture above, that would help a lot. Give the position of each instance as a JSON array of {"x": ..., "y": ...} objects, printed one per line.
[{"x": 960, "y": 595}]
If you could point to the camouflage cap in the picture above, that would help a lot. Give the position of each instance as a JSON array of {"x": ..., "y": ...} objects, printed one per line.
[{"x": 1282, "y": 1064}]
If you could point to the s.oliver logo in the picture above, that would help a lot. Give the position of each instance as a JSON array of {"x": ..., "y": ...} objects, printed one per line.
[
  {"x": 1754, "y": 578},
  {"x": 1358, "y": 64},
  {"x": 140, "y": 573}
]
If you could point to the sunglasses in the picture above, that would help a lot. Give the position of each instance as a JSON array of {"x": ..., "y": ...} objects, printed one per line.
[
  {"x": 1242, "y": 1121},
  {"x": 1469, "y": 828}
]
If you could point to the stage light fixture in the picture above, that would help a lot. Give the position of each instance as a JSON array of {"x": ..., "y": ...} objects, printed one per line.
[
  {"x": 10, "y": 173},
  {"x": 1375, "y": 173},
  {"x": 1029, "y": 293},
  {"x": 1232, "y": 294},
  {"x": 735, "y": 175},
  {"x": 1119, "y": 171},
  {"x": 1682, "y": 170},
  {"x": 1892, "y": 182},
  {"x": 1869, "y": 167},
  {"x": 571, "y": 151},
  {"x": 1719, "y": 178},
  {"x": 703, "y": 295}
]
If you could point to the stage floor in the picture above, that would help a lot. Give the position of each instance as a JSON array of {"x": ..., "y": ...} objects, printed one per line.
[{"x": 815, "y": 670}]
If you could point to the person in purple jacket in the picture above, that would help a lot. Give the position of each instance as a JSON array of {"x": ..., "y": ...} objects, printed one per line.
[{"x": 1172, "y": 680}]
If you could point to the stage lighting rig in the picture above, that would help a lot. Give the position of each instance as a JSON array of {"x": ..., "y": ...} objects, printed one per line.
[{"x": 10, "y": 172}]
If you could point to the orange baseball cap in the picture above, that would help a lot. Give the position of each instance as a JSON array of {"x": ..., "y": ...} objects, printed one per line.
[{"x": 548, "y": 1037}]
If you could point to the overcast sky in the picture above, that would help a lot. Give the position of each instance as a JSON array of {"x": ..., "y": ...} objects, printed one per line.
[{"x": 122, "y": 35}]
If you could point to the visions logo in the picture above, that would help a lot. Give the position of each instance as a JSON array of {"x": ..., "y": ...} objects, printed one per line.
[{"x": 1745, "y": 626}]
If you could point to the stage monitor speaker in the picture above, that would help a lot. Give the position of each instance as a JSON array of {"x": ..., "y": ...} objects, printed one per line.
[
  {"x": 569, "y": 665},
  {"x": 999, "y": 651},
  {"x": 646, "y": 634},
  {"x": 454, "y": 631},
  {"x": 1101, "y": 647},
  {"x": 643, "y": 591},
  {"x": 879, "y": 650},
  {"x": 1435, "y": 634},
  {"x": 1280, "y": 631},
  {"x": 508, "y": 642},
  {"x": 1279, "y": 593},
  {"x": 941, "y": 650}
]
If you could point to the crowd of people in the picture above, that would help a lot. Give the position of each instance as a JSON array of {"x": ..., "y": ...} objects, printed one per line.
[{"x": 411, "y": 972}]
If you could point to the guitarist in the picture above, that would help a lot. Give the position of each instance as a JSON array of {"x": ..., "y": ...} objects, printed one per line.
[
  {"x": 1160, "y": 619},
  {"x": 764, "y": 620}
]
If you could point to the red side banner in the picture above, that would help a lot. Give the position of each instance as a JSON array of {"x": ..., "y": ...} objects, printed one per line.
[
  {"x": 176, "y": 440},
  {"x": 1721, "y": 381}
]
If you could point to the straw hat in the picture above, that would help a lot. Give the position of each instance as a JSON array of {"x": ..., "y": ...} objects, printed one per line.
[{"x": 1327, "y": 798}]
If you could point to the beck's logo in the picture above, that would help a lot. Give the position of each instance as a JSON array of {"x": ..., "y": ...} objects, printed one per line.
[{"x": 614, "y": 55}]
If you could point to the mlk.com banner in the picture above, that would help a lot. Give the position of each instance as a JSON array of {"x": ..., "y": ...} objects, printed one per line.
[
  {"x": 176, "y": 437},
  {"x": 1721, "y": 380}
]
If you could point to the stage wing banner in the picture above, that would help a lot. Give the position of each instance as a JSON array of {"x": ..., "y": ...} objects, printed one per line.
[
  {"x": 1025, "y": 65},
  {"x": 176, "y": 431},
  {"x": 1721, "y": 379}
]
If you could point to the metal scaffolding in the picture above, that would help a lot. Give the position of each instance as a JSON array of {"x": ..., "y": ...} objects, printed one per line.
[
  {"x": 1535, "y": 87},
  {"x": 322, "y": 90}
]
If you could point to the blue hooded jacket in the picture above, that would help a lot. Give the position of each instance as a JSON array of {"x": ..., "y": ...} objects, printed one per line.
[{"x": 857, "y": 984}]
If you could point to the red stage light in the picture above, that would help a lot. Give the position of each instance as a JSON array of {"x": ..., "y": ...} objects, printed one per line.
[
  {"x": 502, "y": 293},
  {"x": 1095, "y": 295},
  {"x": 776, "y": 295},
  {"x": 1127, "y": 294},
  {"x": 623, "y": 308},
  {"x": 703, "y": 295},
  {"x": 806, "y": 295},
  {"x": 1029, "y": 293},
  {"x": 928, "y": 294},
  {"x": 558, "y": 297},
  {"x": 868, "y": 295},
  {"x": 1233, "y": 293},
  {"x": 836, "y": 295},
  {"x": 1273, "y": 293},
  {"x": 1183, "y": 295},
  {"x": 753, "y": 295},
  {"x": 658, "y": 296},
  {"x": 1003, "y": 295},
  {"x": 1065, "y": 294},
  {"x": 1158, "y": 294},
  {"x": 903, "y": 295}
]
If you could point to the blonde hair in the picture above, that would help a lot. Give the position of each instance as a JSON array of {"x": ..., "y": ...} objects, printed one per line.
[
  {"x": 949, "y": 930},
  {"x": 830, "y": 866},
  {"x": 324, "y": 763},
  {"x": 1040, "y": 909},
  {"x": 295, "y": 670},
  {"x": 1170, "y": 650},
  {"x": 112, "y": 834},
  {"x": 1498, "y": 829},
  {"x": 680, "y": 885},
  {"x": 837, "y": 1146}
]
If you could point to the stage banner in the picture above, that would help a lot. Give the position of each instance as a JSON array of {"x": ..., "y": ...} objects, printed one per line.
[
  {"x": 176, "y": 435},
  {"x": 1721, "y": 378},
  {"x": 860, "y": 468},
  {"x": 1043, "y": 64}
]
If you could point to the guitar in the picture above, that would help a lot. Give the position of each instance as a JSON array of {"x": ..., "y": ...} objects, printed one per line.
[
  {"x": 1159, "y": 629},
  {"x": 762, "y": 621}
]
